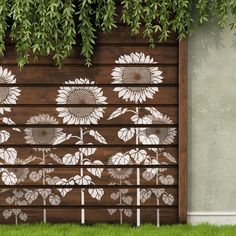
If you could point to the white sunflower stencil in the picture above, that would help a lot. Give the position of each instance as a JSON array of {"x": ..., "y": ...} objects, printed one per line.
[
  {"x": 42, "y": 135},
  {"x": 81, "y": 95},
  {"x": 148, "y": 75},
  {"x": 8, "y": 95}
]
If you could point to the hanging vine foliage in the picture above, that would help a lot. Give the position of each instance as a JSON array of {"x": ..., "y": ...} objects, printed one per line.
[{"x": 52, "y": 27}]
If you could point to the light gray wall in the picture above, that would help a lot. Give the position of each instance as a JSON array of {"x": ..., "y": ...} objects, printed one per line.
[{"x": 212, "y": 120}]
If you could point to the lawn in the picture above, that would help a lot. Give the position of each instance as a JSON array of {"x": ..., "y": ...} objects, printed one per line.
[{"x": 116, "y": 230}]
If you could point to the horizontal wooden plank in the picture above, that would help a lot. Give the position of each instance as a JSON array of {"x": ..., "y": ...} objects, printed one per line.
[
  {"x": 109, "y": 197},
  {"x": 55, "y": 156},
  {"x": 122, "y": 35},
  {"x": 20, "y": 115},
  {"x": 83, "y": 96},
  {"x": 102, "y": 176},
  {"x": 102, "y": 55},
  {"x": 99, "y": 74},
  {"x": 94, "y": 216},
  {"x": 87, "y": 136}
]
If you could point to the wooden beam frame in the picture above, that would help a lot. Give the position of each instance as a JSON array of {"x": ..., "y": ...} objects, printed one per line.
[{"x": 182, "y": 131}]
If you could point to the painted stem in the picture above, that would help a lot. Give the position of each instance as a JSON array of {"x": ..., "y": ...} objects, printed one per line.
[
  {"x": 16, "y": 219},
  {"x": 81, "y": 174},
  {"x": 138, "y": 176},
  {"x": 44, "y": 200}
]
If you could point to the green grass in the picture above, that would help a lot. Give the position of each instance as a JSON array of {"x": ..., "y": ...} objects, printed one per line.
[{"x": 116, "y": 230}]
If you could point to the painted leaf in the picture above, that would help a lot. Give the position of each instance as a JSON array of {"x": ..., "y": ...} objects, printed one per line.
[
  {"x": 141, "y": 120},
  {"x": 154, "y": 112},
  {"x": 69, "y": 159},
  {"x": 31, "y": 196},
  {"x": 29, "y": 159},
  {"x": 167, "y": 180},
  {"x": 124, "y": 190},
  {"x": 120, "y": 159},
  {"x": 148, "y": 139},
  {"x": 56, "y": 158},
  {"x": 95, "y": 171},
  {"x": 62, "y": 138},
  {"x": 7, "y": 214},
  {"x": 4, "y": 136},
  {"x": 10, "y": 200},
  {"x": 138, "y": 155},
  {"x": 168, "y": 198},
  {"x": 35, "y": 176},
  {"x": 22, "y": 203},
  {"x": 97, "y": 136},
  {"x": 9, "y": 121},
  {"x": 126, "y": 134},
  {"x": 158, "y": 192},
  {"x": 8, "y": 155},
  {"x": 85, "y": 180},
  {"x": 9, "y": 178},
  {"x": 128, "y": 212},
  {"x": 53, "y": 180},
  {"x": 16, "y": 212},
  {"x": 115, "y": 196},
  {"x": 112, "y": 211},
  {"x": 119, "y": 111},
  {"x": 148, "y": 175},
  {"x": 23, "y": 216},
  {"x": 169, "y": 157},
  {"x": 127, "y": 200},
  {"x": 64, "y": 181},
  {"x": 88, "y": 151},
  {"x": 96, "y": 193},
  {"x": 44, "y": 192},
  {"x": 145, "y": 194},
  {"x": 54, "y": 200}
]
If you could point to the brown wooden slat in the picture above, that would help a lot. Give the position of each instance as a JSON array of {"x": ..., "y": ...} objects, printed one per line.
[
  {"x": 110, "y": 134},
  {"x": 102, "y": 154},
  {"x": 99, "y": 74},
  {"x": 102, "y": 55},
  {"x": 94, "y": 216},
  {"x": 183, "y": 131},
  {"x": 47, "y": 95},
  {"x": 108, "y": 176},
  {"x": 73, "y": 198},
  {"x": 20, "y": 115}
]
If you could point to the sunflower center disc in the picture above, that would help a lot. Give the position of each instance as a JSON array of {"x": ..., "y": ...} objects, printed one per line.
[
  {"x": 4, "y": 91},
  {"x": 137, "y": 75},
  {"x": 161, "y": 133},
  {"x": 81, "y": 96},
  {"x": 43, "y": 135}
]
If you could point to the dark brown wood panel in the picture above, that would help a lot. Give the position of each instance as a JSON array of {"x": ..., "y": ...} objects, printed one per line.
[
  {"x": 102, "y": 55},
  {"x": 120, "y": 144},
  {"x": 96, "y": 136},
  {"x": 99, "y": 74},
  {"x": 48, "y": 95},
  {"x": 20, "y": 115},
  {"x": 30, "y": 156}
]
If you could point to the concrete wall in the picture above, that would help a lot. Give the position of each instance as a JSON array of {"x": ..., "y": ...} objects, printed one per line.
[{"x": 212, "y": 125}]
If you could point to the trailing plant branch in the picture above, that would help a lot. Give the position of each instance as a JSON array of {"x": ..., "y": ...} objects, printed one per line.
[{"x": 50, "y": 27}]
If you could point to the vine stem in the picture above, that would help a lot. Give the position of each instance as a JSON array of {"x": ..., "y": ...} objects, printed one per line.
[
  {"x": 44, "y": 200},
  {"x": 138, "y": 175},
  {"x": 82, "y": 173},
  {"x": 157, "y": 182}
]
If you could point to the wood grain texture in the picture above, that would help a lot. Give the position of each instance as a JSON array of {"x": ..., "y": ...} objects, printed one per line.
[
  {"x": 155, "y": 189},
  {"x": 102, "y": 55},
  {"x": 34, "y": 75},
  {"x": 183, "y": 131}
]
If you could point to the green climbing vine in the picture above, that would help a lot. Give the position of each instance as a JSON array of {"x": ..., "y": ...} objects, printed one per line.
[{"x": 52, "y": 27}]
